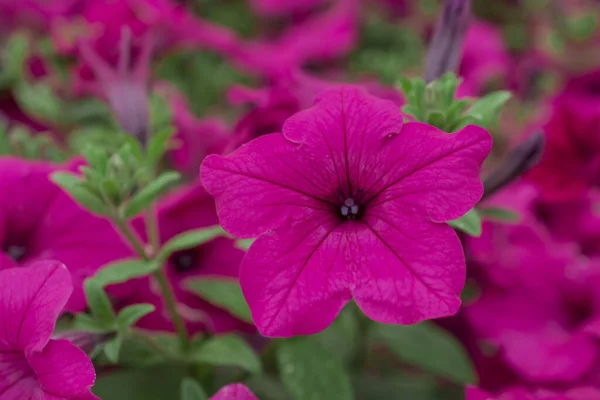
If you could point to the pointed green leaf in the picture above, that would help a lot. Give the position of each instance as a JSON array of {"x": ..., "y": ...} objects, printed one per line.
[
  {"x": 228, "y": 350},
  {"x": 99, "y": 303},
  {"x": 428, "y": 347},
  {"x": 124, "y": 270},
  {"x": 132, "y": 314},
  {"x": 309, "y": 372},
  {"x": 112, "y": 349},
  {"x": 486, "y": 109},
  {"x": 470, "y": 223},
  {"x": 222, "y": 292},
  {"x": 191, "y": 390},
  {"x": 499, "y": 214},
  {"x": 74, "y": 186},
  {"x": 150, "y": 193},
  {"x": 189, "y": 239}
]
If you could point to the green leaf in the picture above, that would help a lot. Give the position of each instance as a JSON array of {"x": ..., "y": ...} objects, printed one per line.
[
  {"x": 470, "y": 223},
  {"x": 144, "y": 353},
  {"x": 437, "y": 119},
  {"x": 13, "y": 57},
  {"x": 112, "y": 349},
  {"x": 158, "y": 145},
  {"x": 222, "y": 292},
  {"x": 428, "y": 347},
  {"x": 487, "y": 108},
  {"x": 160, "y": 112},
  {"x": 38, "y": 101},
  {"x": 342, "y": 338},
  {"x": 150, "y": 193},
  {"x": 75, "y": 187},
  {"x": 99, "y": 303},
  {"x": 188, "y": 240},
  {"x": 85, "y": 322},
  {"x": 499, "y": 214},
  {"x": 124, "y": 270},
  {"x": 309, "y": 372},
  {"x": 228, "y": 350},
  {"x": 132, "y": 314},
  {"x": 191, "y": 390},
  {"x": 157, "y": 383},
  {"x": 398, "y": 386}
]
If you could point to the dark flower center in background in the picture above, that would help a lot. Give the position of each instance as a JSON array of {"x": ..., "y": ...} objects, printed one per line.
[
  {"x": 15, "y": 249},
  {"x": 185, "y": 260}
]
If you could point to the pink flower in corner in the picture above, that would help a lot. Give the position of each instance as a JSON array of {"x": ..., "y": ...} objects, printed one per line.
[
  {"x": 235, "y": 391},
  {"x": 349, "y": 202},
  {"x": 32, "y": 366},
  {"x": 579, "y": 393}
]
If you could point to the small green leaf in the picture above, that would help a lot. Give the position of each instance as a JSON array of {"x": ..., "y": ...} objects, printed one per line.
[
  {"x": 470, "y": 223},
  {"x": 85, "y": 322},
  {"x": 160, "y": 112},
  {"x": 431, "y": 348},
  {"x": 189, "y": 239},
  {"x": 487, "y": 108},
  {"x": 123, "y": 271},
  {"x": 222, "y": 292},
  {"x": 342, "y": 338},
  {"x": 191, "y": 390},
  {"x": 132, "y": 314},
  {"x": 499, "y": 214},
  {"x": 158, "y": 145},
  {"x": 13, "y": 57},
  {"x": 75, "y": 187},
  {"x": 99, "y": 303},
  {"x": 150, "y": 193},
  {"x": 228, "y": 350},
  {"x": 112, "y": 349},
  {"x": 437, "y": 119},
  {"x": 39, "y": 101},
  {"x": 309, "y": 372}
]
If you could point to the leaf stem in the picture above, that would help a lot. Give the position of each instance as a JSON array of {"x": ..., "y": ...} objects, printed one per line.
[{"x": 159, "y": 275}]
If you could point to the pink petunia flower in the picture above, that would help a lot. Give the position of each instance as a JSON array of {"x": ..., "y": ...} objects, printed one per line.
[
  {"x": 189, "y": 208},
  {"x": 349, "y": 202},
  {"x": 578, "y": 393},
  {"x": 571, "y": 161},
  {"x": 38, "y": 221},
  {"x": 235, "y": 391},
  {"x": 33, "y": 366}
]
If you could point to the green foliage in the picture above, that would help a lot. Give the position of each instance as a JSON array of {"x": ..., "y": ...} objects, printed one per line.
[
  {"x": 228, "y": 350},
  {"x": 470, "y": 223},
  {"x": 191, "y": 390},
  {"x": 188, "y": 240},
  {"x": 499, "y": 214},
  {"x": 386, "y": 50},
  {"x": 124, "y": 270},
  {"x": 202, "y": 76},
  {"x": 342, "y": 338},
  {"x": 224, "y": 293},
  {"x": 308, "y": 371},
  {"x": 148, "y": 194},
  {"x": 437, "y": 105},
  {"x": 244, "y": 244},
  {"x": 14, "y": 53},
  {"x": 234, "y": 14},
  {"x": 20, "y": 142},
  {"x": 428, "y": 347}
]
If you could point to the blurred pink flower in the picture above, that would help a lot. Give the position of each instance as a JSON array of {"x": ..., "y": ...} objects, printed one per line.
[
  {"x": 197, "y": 137},
  {"x": 579, "y": 393},
  {"x": 278, "y": 8},
  {"x": 38, "y": 221},
  {"x": 304, "y": 42},
  {"x": 571, "y": 161},
  {"x": 33, "y": 366},
  {"x": 189, "y": 208},
  {"x": 485, "y": 57},
  {"x": 349, "y": 202},
  {"x": 234, "y": 391},
  {"x": 34, "y": 14}
]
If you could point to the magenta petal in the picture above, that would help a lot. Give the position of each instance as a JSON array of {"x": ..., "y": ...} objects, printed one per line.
[
  {"x": 30, "y": 301},
  {"x": 64, "y": 370},
  {"x": 434, "y": 171},
  {"x": 263, "y": 183},
  {"x": 473, "y": 393},
  {"x": 17, "y": 380},
  {"x": 235, "y": 391},
  {"x": 294, "y": 278},
  {"x": 407, "y": 272}
]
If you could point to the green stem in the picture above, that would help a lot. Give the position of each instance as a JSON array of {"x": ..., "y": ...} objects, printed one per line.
[
  {"x": 152, "y": 229},
  {"x": 159, "y": 275}
]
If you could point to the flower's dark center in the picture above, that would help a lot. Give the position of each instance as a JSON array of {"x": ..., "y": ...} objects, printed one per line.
[
  {"x": 15, "y": 248},
  {"x": 185, "y": 260},
  {"x": 350, "y": 210}
]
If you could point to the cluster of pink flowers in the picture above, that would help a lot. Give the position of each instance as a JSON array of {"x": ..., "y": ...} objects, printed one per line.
[{"x": 347, "y": 195}]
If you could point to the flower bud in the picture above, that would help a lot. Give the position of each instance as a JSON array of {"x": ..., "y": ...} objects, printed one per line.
[
  {"x": 445, "y": 48},
  {"x": 519, "y": 160}
]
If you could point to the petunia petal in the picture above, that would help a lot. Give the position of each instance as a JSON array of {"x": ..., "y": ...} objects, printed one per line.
[
  {"x": 433, "y": 171},
  {"x": 294, "y": 278},
  {"x": 31, "y": 300},
  {"x": 407, "y": 272},
  {"x": 265, "y": 182},
  {"x": 64, "y": 370},
  {"x": 235, "y": 391},
  {"x": 17, "y": 380}
]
